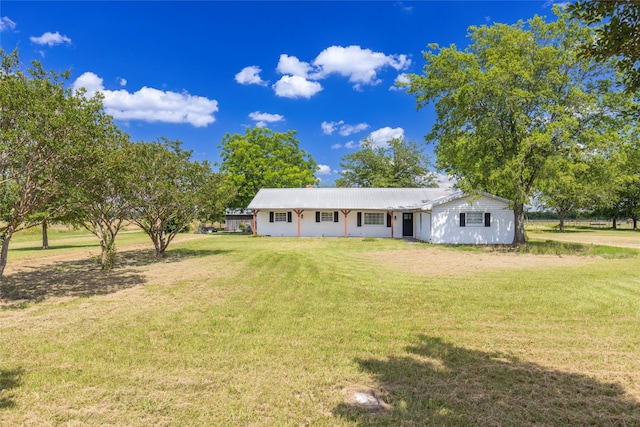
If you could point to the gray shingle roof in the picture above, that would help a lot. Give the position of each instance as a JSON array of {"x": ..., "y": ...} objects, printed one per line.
[{"x": 348, "y": 198}]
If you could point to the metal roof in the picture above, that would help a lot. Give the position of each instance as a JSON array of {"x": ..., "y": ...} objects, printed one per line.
[
  {"x": 349, "y": 198},
  {"x": 457, "y": 195}
]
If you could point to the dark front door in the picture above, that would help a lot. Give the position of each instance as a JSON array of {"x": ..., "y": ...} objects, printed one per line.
[{"x": 407, "y": 224}]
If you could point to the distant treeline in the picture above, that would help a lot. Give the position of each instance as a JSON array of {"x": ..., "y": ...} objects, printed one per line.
[{"x": 548, "y": 215}]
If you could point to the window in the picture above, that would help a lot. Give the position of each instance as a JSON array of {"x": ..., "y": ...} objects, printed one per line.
[
  {"x": 279, "y": 216},
  {"x": 326, "y": 216},
  {"x": 475, "y": 219},
  {"x": 374, "y": 218}
]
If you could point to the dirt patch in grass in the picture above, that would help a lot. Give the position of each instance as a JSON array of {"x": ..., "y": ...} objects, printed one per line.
[{"x": 442, "y": 262}]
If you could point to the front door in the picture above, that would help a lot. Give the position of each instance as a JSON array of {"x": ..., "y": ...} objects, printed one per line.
[{"x": 407, "y": 224}]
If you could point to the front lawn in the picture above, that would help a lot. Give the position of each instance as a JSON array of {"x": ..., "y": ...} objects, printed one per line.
[{"x": 234, "y": 330}]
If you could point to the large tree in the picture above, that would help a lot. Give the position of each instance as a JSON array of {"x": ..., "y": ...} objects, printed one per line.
[
  {"x": 565, "y": 186},
  {"x": 262, "y": 158},
  {"x": 170, "y": 190},
  {"x": 398, "y": 164},
  {"x": 517, "y": 95},
  {"x": 103, "y": 203},
  {"x": 617, "y": 36},
  {"x": 45, "y": 138},
  {"x": 619, "y": 193}
]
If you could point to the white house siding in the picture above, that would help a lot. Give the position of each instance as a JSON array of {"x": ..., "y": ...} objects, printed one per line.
[
  {"x": 422, "y": 226},
  {"x": 445, "y": 222},
  {"x": 310, "y": 228}
]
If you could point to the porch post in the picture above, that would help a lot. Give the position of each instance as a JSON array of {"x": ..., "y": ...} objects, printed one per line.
[
  {"x": 298, "y": 212},
  {"x": 255, "y": 221},
  {"x": 345, "y": 213},
  {"x": 393, "y": 225}
]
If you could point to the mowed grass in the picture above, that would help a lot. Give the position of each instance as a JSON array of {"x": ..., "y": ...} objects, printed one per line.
[{"x": 234, "y": 330}]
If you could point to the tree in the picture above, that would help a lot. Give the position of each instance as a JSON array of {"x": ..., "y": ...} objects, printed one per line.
[
  {"x": 399, "y": 164},
  {"x": 618, "y": 37},
  {"x": 103, "y": 202},
  {"x": 565, "y": 186},
  {"x": 619, "y": 194},
  {"x": 516, "y": 96},
  {"x": 44, "y": 140},
  {"x": 264, "y": 159},
  {"x": 170, "y": 190}
]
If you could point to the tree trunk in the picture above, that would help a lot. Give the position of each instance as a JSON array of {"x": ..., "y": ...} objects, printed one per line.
[
  {"x": 108, "y": 254},
  {"x": 45, "y": 235},
  {"x": 519, "y": 237},
  {"x": 4, "y": 252},
  {"x": 635, "y": 223},
  {"x": 561, "y": 226},
  {"x": 615, "y": 223}
]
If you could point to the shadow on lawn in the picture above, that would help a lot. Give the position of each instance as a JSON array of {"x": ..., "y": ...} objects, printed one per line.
[
  {"x": 9, "y": 378},
  {"x": 84, "y": 277},
  {"x": 441, "y": 384},
  {"x": 54, "y": 247}
]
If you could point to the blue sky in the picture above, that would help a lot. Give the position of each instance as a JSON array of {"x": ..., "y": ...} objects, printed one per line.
[{"x": 195, "y": 71}]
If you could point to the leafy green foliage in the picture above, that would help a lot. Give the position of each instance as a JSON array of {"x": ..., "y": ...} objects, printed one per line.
[
  {"x": 618, "y": 36},
  {"x": 400, "y": 164},
  {"x": 619, "y": 195},
  {"x": 264, "y": 159},
  {"x": 518, "y": 95},
  {"x": 103, "y": 202},
  {"x": 46, "y": 138},
  {"x": 170, "y": 190},
  {"x": 567, "y": 185}
]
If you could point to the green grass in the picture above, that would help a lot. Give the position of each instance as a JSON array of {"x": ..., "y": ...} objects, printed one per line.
[
  {"x": 231, "y": 330},
  {"x": 554, "y": 247}
]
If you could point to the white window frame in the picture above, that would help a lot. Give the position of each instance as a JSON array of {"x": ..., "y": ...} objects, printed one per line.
[
  {"x": 371, "y": 219},
  {"x": 474, "y": 219},
  {"x": 279, "y": 217},
  {"x": 326, "y": 216}
]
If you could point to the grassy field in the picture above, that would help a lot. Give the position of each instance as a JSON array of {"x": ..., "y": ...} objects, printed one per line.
[{"x": 234, "y": 330}]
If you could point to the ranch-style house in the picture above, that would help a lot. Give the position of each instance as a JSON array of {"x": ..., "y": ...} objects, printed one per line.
[{"x": 436, "y": 215}]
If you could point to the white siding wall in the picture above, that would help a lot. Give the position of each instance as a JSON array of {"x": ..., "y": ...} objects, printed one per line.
[
  {"x": 422, "y": 227},
  {"x": 310, "y": 228},
  {"x": 442, "y": 225},
  {"x": 445, "y": 223}
]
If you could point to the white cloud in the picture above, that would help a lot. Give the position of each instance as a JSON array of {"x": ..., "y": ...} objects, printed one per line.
[
  {"x": 323, "y": 170},
  {"x": 50, "y": 39},
  {"x": 7, "y": 24},
  {"x": 347, "y": 130},
  {"x": 296, "y": 87},
  {"x": 360, "y": 65},
  {"x": 352, "y": 144},
  {"x": 405, "y": 9},
  {"x": 328, "y": 128},
  {"x": 151, "y": 105},
  {"x": 336, "y": 146},
  {"x": 293, "y": 66},
  {"x": 445, "y": 181},
  {"x": 90, "y": 82},
  {"x": 382, "y": 136},
  {"x": 263, "y": 118},
  {"x": 122, "y": 82},
  {"x": 401, "y": 79},
  {"x": 250, "y": 76}
]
